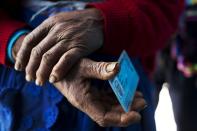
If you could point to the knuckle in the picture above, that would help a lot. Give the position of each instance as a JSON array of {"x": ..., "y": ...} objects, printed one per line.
[
  {"x": 36, "y": 52},
  {"x": 95, "y": 69},
  {"x": 92, "y": 68},
  {"x": 58, "y": 26},
  {"x": 67, "y": 59},
  {"x": 62, "y": 45},
  {"x": 52, "y": 19},
  {"x": 46, "y": 57},
  {"x": 100, "y": 69},
  {"x": 48, "y": 22},
  {"x": 102, "y": 122}
]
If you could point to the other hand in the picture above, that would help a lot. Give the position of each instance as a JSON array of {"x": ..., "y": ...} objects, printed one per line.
[
  {"x": 49, "y": 51},
  {"x": 99, "y": 103}
]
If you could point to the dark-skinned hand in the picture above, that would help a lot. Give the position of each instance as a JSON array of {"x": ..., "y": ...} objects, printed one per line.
[
  {"x": 49, "y": 51},
  {"x": 98, "y": 103}
]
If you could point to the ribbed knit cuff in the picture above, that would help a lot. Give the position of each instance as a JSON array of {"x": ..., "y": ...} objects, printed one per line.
[{"x": 13, "y": 40}]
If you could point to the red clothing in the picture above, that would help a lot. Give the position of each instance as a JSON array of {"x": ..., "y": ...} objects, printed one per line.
[
  {"x": 7, "y": 27},
  {"x": 140, "y": 26}
]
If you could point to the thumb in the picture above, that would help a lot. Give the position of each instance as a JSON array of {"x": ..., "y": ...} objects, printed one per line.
[{"x": 98, "y": 70}]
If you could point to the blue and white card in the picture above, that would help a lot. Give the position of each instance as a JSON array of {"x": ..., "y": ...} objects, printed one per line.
[{"x": 125, "y": 83}]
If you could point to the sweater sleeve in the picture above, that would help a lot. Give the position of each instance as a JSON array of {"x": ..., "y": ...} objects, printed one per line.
[
  {"x": 141, "y": 27},
  {"x": 7, "y": 27}
]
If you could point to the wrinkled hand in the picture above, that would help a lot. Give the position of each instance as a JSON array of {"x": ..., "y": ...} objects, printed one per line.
[
  {"x": 50, "y": 50},
  {"x": 100, "y": 105}
]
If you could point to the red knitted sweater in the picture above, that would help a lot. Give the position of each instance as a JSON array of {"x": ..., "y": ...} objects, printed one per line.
[{"x": 142, "y": 27}]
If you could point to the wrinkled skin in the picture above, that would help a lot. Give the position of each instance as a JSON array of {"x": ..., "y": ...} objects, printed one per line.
[
  {"x": 99, "y": 104},
  {"x": 49, "y": 51}
]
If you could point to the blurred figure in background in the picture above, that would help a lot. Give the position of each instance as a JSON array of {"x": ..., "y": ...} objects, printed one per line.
[{"x": 177, "y": 65}]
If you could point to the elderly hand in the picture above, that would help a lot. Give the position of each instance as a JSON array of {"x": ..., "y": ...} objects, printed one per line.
[
  {"x": 50, "y": 50},
  {"x": 101, "y": 105},
  {"x": 98, "y": 103}
]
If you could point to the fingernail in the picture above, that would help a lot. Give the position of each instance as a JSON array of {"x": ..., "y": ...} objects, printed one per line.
[
  {"x": 38, "y": 82},
  {"x": 17, "y": 66},
  {"x": 110, "y": 67},
  {"x": 52, "y": 79},
  {"x": 28, "y": 78}
]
